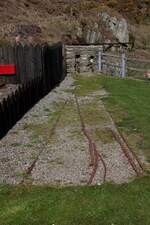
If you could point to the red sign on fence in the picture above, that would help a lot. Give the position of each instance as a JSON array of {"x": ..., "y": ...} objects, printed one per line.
[{"x": 7, "y": 69}]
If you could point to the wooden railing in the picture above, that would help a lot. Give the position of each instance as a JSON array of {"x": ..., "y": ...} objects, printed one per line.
[{"x": 121, "y": 65}]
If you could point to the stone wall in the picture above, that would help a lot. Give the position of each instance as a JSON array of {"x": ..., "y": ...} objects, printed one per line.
[{"x": 85, "y": 52}]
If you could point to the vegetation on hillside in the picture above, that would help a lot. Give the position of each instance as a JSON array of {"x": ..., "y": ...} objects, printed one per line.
[{"x": 61, "y": 20}]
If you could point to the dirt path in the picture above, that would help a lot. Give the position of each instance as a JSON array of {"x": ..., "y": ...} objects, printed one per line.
[{"x": 49, "y": 145}]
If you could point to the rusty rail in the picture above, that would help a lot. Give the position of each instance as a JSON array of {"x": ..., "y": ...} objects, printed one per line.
[
  {"x": 95, "y": 165},
  {"x": 133, "y": 153},
  {"x": 129, "y": 149},
  {"x": 126, "y": 153}
]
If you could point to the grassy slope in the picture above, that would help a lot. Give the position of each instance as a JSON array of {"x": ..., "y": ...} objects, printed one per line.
[
  {"x": 126, "y": 204},
  {"x": 109, "y": 204}
]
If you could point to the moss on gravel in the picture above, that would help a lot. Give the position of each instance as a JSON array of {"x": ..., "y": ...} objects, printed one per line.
[
  {"x": 93, "y": 113},
  {"x": 104, "y": 135},
  {"x": 87, "y": 85},
  {"x": 45, "y": 130}
]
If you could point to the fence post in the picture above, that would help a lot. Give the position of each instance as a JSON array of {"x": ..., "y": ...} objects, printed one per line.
[
  {"x": 100, "y": 61},
  {"x": 123, "y": 65}
]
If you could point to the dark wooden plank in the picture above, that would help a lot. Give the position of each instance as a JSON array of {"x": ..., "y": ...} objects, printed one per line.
[
  {"x": 10, "y": 60},
  {"x": 21, "y": 62},
  {"x": 2, "y": 78},
  {"x": 38, "y": 61}
]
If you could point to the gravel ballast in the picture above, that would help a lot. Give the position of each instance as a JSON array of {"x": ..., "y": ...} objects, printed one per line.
[{"x": 47, "y": 146}]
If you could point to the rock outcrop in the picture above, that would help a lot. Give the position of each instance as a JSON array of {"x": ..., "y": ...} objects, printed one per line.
[
  {"x": 106, "y": 29},
  {"x": 118, "y": 27}
]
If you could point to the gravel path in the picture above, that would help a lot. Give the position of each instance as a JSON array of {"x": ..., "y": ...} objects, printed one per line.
[{"x": 47, "y": 146}]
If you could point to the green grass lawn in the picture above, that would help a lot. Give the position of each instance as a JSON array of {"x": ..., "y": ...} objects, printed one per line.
[
  {"x": 129, "y": 105},
  {"x": 127, "y": 204},
  {"x": 109, "y": 204}
]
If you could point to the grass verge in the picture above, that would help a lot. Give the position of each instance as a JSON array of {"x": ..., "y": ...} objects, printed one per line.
[
  {"x": 126, "y": 204},
  {"x": 128, "y": 103}
]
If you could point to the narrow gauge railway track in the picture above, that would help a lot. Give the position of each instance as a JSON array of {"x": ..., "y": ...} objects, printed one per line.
[
  {"x": 94, "y": 154},
  {"x": 52, "y": 131}
]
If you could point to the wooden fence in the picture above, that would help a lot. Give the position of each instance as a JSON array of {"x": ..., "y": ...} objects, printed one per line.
[
  {"x": 18, "y": 103},
  {"x": 122, "y": 66},
  {"x": 38, "y": 70},
  {"x": 7, "y": 56},
  {"x": 30, "y": 61}
]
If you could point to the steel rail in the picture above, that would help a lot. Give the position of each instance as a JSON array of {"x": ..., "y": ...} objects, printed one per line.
[
  {"x": 124, "y": 150},
  {"x": 131, "y": 150},
  {"x": 131, "y": 161},
  {"x": 95, "y": 166}
]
